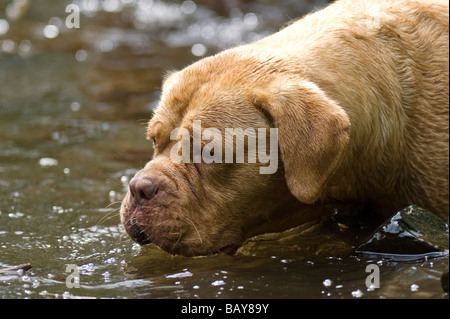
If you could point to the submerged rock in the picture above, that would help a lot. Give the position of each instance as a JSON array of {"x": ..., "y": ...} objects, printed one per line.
[
  {"x": 412, "y": 234},
  {"x": 335, "y": 235}
]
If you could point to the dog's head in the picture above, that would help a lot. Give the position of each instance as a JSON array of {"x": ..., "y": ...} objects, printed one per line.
[{"x": 201, "y": 194}]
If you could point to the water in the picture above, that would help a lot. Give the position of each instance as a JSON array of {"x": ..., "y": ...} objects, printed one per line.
[{"x": 73, "y": 108}]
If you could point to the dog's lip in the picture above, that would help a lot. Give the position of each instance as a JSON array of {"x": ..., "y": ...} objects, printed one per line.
[{"x": 229, "y": 249}]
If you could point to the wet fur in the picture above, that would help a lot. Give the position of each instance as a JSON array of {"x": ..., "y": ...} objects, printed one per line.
[{"x": 359, "y": 94}]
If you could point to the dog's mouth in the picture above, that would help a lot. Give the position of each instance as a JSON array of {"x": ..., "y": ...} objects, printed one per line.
[
  {"x": 153, "y": 225},
  {"x": 141, "y": 235},
  {"x": 137, "y": 233},
  {"x": 229, "y": 249}
]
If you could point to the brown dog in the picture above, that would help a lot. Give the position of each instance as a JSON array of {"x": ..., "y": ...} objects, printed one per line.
[{"x": 359, "y": 94}]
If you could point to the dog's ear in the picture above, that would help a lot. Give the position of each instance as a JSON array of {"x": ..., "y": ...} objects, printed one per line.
[{"x": 313, "y": 133}]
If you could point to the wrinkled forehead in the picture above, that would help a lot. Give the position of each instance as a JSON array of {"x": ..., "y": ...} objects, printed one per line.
[
  {"x": 210, "y": 91},
  {"x": 188, "y": 96},
  {"x": 177, "y": 92}
]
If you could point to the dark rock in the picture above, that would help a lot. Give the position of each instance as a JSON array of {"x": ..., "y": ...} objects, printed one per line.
[{"x": 412, "y": 234}]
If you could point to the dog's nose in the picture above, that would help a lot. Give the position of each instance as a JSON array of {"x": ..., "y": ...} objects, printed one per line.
[{"x": 143, "y": 189}]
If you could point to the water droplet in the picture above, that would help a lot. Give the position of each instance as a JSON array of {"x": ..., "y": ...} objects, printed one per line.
[
  {"x": 327, "y": 282},
  {"x": 51, "y": 31},
  {"x": 188, "y": 7},
  {"x": 24, "y": 47},
  {"x": 106, "y": 45},
  {"x": 180, "y": 275},
  {"x": 47, "y": 161},
  {"x": 81, "y": 55},
  {"x": 414, "y": 287},
  {"x": 4, "y": 26},
  {"x": 106, "y": 276},
  {"x": 124, "y": 180},
  {"x": 198, "y": 49},
  {"x": 251, "y": 20},
  {"x": 16, "y": 215},
  {"x": 111, "y": 5},
  {"x": 75, "y": 106},
  {"x": 357, "y": 293},
  {"x": 8, "y": 46},
  {"x": 218, "y": 283}
]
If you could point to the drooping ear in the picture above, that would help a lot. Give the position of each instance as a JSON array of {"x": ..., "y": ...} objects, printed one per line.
[{"x": 313, "y": 133}]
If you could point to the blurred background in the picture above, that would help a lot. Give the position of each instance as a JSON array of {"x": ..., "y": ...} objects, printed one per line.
[{"x": 74, "y": 104}]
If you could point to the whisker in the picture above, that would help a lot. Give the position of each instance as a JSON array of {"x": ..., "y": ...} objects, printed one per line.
[
  {"x": 114, "y": 203},
  {"x": 108, "y": 216},
  {"x": 178, "y": 240},
  {"x": 192, "y": 252},
  {"x": 198, "y": 233}
]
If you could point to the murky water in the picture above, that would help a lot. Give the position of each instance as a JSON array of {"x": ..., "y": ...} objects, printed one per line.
[{"x": 73, "y": 109}]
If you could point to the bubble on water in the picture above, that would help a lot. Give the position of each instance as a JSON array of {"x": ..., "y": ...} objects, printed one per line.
[
  {"x": 61, "y": 210},
  {"x": 8, "y": 46},
  {"x": 66, "y": 295},
  {"x": 414, "y": 287},
  {"x": 16, "y": 9},
  {"x": 75, "y": 106},
  {"x": 51, "y": 31},
  {"x": 81, "y": 55},
  {"x": 106, "y": 45},
  {"x": 180, "y": 275},
  {"x": 112, "y": 5},
  {"x": 251, "y": 20},
  {"x": 327, "y": 282},
  {"x": 124, "y": 179},
  {"x": 24, "y": 47},
  {"x": 198, "y": 49},
  {"x": 16, "y": 215},
  {"x": 4, "y": 27},
  {"x": 218, "y": 283},
  {"x": 44, "y": 293},
  {"x": 105, "y": 126},
  {"x": 188, "y": 7},
  {"x": 106, "y": 275},
  {"x": 47, "y": 162},
  {"x": 87, "y": 269},
  {"x": 372, "y": 287},
  {"x": 357, "y": 293},
  {"x": 113, "y": 196}
]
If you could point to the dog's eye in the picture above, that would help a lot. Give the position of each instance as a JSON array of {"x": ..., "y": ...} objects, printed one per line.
[{"x": 153, "y": 140}]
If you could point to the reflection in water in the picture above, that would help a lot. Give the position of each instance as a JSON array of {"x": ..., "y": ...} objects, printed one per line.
[{"x": 74, "y": 103}]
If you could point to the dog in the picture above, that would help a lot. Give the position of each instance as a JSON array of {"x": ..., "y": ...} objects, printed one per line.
[{"x": 358, "y": 95}]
